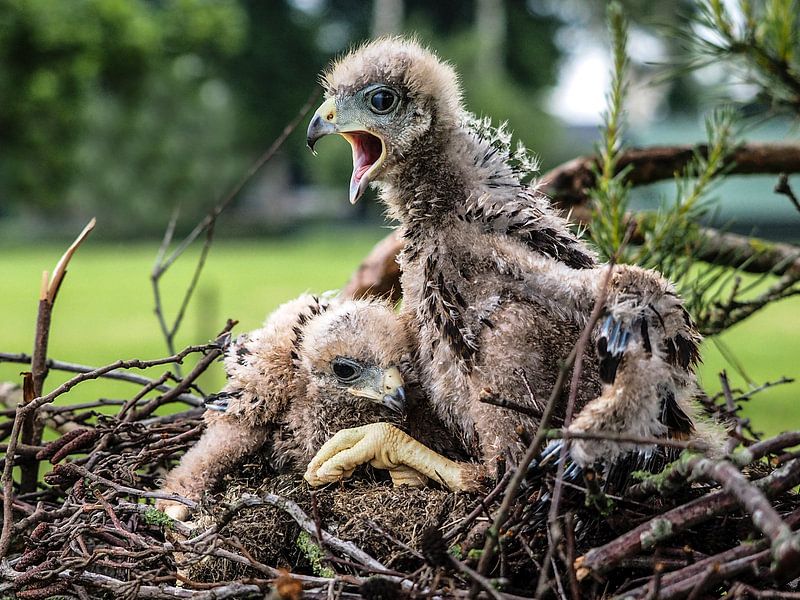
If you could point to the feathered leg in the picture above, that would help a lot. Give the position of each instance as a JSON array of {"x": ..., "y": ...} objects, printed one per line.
[
  {"x": 648, "y": 348},
  {"x": 224, "y": 443}
]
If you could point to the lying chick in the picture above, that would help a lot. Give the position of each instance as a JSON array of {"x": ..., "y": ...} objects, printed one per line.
[{"x": 316, "y": 367}]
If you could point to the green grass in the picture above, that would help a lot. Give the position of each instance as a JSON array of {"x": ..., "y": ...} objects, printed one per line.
[{"x": 104, "y": 311}]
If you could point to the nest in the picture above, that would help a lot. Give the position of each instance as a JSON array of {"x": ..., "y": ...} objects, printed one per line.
[
  {"x": 383, "y": 521},
  {"x": 702, "y": 528}
]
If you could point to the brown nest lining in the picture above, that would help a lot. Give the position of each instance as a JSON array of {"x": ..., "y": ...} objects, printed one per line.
[{"x": 383, "y": 521}]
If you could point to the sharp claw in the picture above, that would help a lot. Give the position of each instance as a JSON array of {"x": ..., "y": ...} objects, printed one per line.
[
  {"x": 553, "y": 448},
  {"x": 617, "y": 334},
  {"x": 609, "y": 320},
  {"x": 573, "y": 472}
]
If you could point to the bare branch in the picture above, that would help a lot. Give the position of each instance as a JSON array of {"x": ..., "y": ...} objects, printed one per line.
[
  {"x": 568, "y": 183},
  {"x": 783, "y": 187},
  {"x": 69, "y": 367},
  {"x": 163, "y": 261},
  {"x": 678, "y": 519}
]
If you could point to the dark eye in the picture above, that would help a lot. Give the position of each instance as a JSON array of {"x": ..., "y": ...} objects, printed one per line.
[
  {"x": 382, "y": 101},
  {"x": 346, "y": 370}
]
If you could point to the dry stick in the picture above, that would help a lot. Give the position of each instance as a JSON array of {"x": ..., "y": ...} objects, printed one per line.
[
  {"x": 574, "y": 586},
  {"x": 153, "y": 592},
  {"x": 479, "y": 508},
  {"x": 25, "y": 419},
  {"x": 742, "y": 590},
  {"x": 308, "y": 525},
  {"x": 32, "y": 428},
  {"x": 493, "y": 533},
  {"x": 201, "y": 366},
  {"x": 490, "y": 398},
  {"x": 730, "y": 404},
  {"x": 583, "y": 342},
  {"x": 163, "y": 262},
  {"x": 734, "y": 311},
  {"x": 24, "y": 410},
  {"x": 69, "y": 367},
  {"x": 714, "y": 569},
  {"x": 569, "y": 182},
  {"x": 783, "y": 187},
  {"x": 785, "y": 546},
  {"x": 124, "y": 489},
  {"x": 665, "y": 525}
]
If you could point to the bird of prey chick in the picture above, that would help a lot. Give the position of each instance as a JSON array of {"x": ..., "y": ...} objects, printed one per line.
[
  {"x": 317, "y": 366},
  {"x": 497, "y": 284}
]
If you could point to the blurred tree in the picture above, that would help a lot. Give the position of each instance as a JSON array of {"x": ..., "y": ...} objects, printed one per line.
[
  {"x": 275, "y": 70},
  {"x": 387, "y": 17},
  {"x": 58, "y": 60}
]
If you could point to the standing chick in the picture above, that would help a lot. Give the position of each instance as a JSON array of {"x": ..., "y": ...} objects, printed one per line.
[
  {"x": 317, "y": 366},
  {"x": 497, "y": 285}
]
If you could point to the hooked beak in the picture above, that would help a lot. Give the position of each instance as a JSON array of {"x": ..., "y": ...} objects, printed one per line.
[
  {"x": 386, "y": 387},
  {"x": 369, "y": 149},
  {"x": 322, "y": 123},
  {"x": 394, "y": 396}
]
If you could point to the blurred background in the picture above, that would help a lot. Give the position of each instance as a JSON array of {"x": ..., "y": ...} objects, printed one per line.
[{"x": 128, "y": 110}]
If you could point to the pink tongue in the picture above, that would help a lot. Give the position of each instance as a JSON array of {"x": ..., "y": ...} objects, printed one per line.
[{"x": 359, "y": 172}]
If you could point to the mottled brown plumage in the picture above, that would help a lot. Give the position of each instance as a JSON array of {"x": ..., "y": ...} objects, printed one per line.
[
  {"x": 317, "y": 366},
  {"x": 495, "y": 281}
]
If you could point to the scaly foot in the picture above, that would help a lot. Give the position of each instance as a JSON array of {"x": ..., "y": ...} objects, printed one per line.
[{"x": 384, "y": 446}]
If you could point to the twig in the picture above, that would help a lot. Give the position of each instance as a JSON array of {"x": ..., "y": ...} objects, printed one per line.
[
  {"x": 783, "y": 187},
  {"x": 731, "y": 406},
  {"x": 654, "y": 592},
  {"x": 678, "y": 519},
  {"x": 493, "y": 533},
  {"x": 479, "y": 508},
  {"x": 124, "y": 489},
  {"x": 308, "y": 525},
  {"x": 785, "y": 546},
  {"x": 487, "y": 397},
  {"x": 724, "y": 315},
  {"x": 393, "y": 539},
  {"x": 583, "y": 342},
  {"x": 209, "y": 357},
  {"x": 24, "y": 410},
  {"x": 31, "y": 427},
  {"x": 159, "y": 592},
  {"x": 69, "y": 367},
  {"x": 742, "y": 590},
  {"x": 163, "y": 261}
]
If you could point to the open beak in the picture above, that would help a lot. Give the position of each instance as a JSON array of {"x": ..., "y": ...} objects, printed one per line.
[
  {"x": 386, "y": 387},
  {"x": 369, "y": 150}
]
